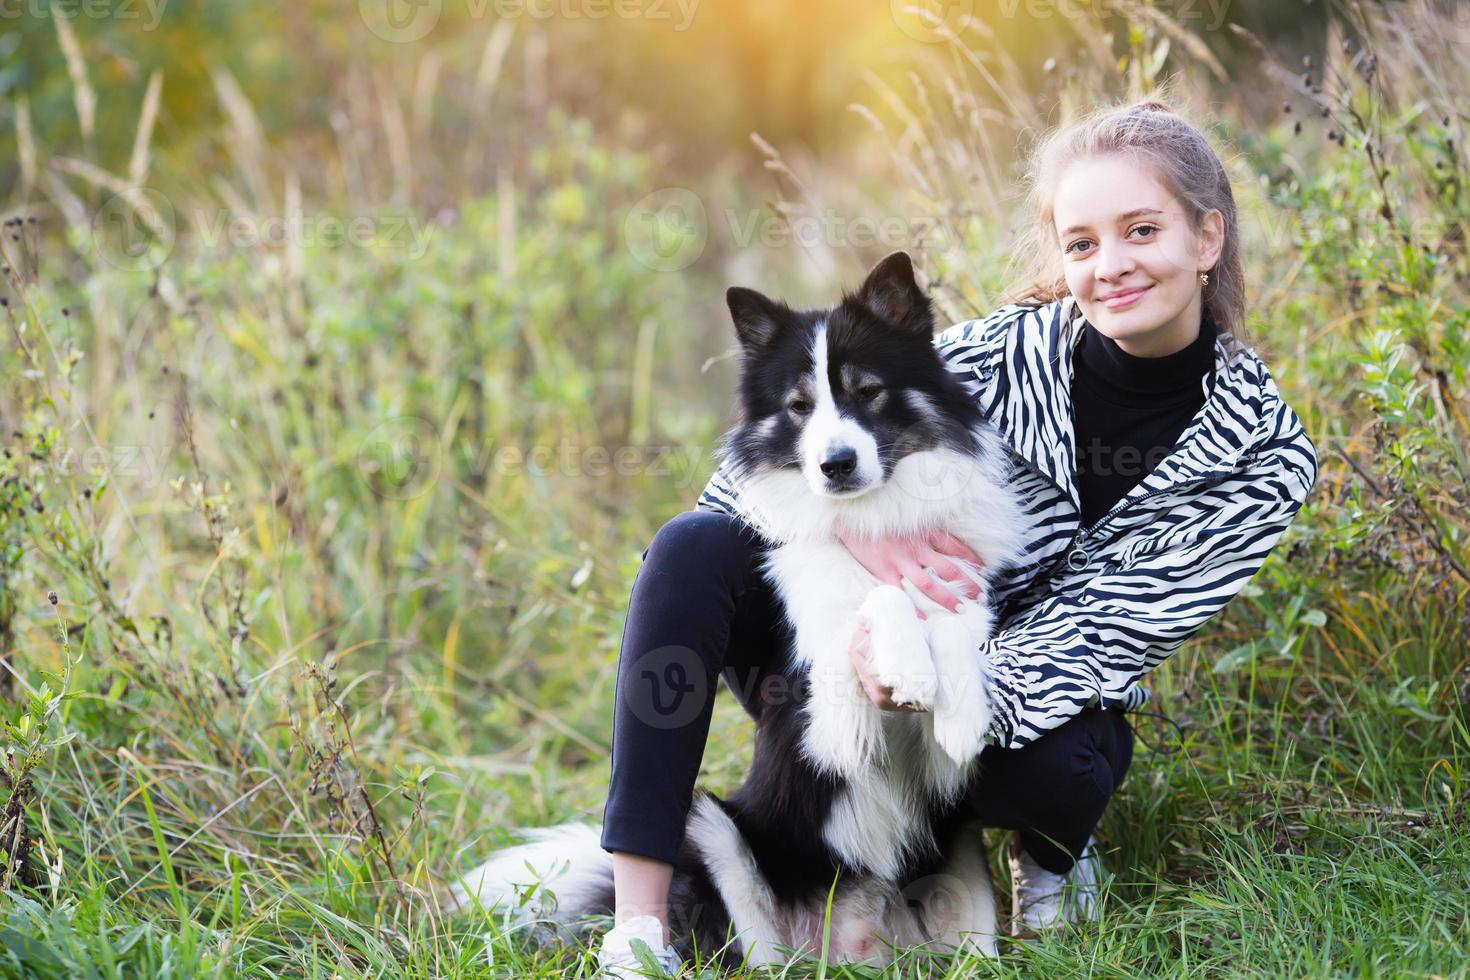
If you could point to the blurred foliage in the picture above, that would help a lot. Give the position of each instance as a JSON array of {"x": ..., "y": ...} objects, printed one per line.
[{"x": 702, "y": 73}]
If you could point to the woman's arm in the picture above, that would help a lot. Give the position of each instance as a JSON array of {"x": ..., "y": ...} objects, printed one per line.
[{"x": 1090, "y": 645}]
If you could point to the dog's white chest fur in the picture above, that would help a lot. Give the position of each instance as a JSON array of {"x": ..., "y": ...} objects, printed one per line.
[{"x": 888, "y": 760}]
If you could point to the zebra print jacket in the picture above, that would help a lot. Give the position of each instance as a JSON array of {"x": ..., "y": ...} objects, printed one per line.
[{"x": 1093, "y": 609}]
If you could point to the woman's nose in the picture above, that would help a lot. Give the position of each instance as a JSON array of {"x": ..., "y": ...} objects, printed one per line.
[{"x": 1113, "y": 260}]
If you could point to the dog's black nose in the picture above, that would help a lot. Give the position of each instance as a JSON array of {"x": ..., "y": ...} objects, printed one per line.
[{"x": 839, "y": 463}]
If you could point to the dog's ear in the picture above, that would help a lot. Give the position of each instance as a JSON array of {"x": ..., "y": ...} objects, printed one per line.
[
  {"x": 756, "y": 317},
  {"x": 891, "y": 292}
]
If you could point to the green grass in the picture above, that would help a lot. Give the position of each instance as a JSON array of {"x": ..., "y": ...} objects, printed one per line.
[{"x": 323, "y": 635}]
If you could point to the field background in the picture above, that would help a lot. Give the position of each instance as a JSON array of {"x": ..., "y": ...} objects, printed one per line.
[{"x": 355, "y": 350}]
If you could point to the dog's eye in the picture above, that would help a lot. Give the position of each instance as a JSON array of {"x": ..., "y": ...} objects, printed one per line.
[
  {"x": 870, "y": 391},
  {"x": 800, "y": 406}
]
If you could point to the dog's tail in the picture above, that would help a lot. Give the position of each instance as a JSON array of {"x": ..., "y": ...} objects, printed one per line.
[{"x": 555, "y": 874}]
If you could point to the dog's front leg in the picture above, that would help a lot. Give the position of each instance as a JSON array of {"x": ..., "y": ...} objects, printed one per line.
[
  {"x": 962, "y": 706},
  {"x": 898, "y": 652},
  {"x": 821, "y": 588}
]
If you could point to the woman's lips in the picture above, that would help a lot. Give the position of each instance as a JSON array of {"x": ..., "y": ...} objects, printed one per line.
[{"x": 1123, "y": 299}]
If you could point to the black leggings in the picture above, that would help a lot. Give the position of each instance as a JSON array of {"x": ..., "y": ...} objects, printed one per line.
[{"x": 700, "y": 609}]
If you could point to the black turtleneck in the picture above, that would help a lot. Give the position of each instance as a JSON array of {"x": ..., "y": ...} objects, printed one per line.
[{"x": 1128, "y": 412}]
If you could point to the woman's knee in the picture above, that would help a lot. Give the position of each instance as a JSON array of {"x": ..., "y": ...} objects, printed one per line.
[
  {"x": 1065, "y": 774},
  {"x": 1084, "y": 759},
  {"x": 695, "y": 542}
]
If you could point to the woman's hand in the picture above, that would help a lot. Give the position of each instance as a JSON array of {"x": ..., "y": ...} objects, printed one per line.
[
  {"x": 893, "y": 559},
  {"x": 857, "y": 651}
]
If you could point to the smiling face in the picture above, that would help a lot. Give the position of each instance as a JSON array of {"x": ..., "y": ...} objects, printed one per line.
[{"x": 1130, "y": 256}]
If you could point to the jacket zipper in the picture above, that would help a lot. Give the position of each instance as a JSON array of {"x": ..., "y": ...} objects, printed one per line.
[{"x": 1073, "y": 548}]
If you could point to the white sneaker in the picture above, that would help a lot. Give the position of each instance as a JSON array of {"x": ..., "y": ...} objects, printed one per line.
[
  {"x": 618, "y": 961},
  {"x": 1042, "y": 899}
]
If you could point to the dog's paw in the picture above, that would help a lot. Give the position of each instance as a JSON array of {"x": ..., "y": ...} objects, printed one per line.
[
  {"x": 961, "y": 734},
  {"x": 911, "y": 688},
  {"x": 962, "y": 712},
  {"x": 898, "y": 651}
]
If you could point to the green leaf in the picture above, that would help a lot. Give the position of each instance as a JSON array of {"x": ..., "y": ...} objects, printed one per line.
[
  {"x": 125, "y": 945},
  {"x": 1235, "y": 659},
  {"x": 28, "y": 951},
  {"x": 646, "y": 959}
]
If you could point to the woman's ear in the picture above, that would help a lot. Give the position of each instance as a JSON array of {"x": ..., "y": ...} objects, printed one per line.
[{"x": 1211, "y": 239}]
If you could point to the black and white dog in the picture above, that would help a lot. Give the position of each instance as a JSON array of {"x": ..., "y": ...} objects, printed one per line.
[{"x": 850, "y": 427}]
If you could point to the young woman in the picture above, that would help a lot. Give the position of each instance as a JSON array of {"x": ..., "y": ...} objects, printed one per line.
[{"x": 1161, "y": 465}]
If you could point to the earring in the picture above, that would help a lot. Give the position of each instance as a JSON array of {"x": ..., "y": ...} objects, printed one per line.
[{"x": 1204, "y": 278}]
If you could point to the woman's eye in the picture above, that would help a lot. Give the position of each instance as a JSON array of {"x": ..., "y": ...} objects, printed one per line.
[
  {"x": 1077, "y": 247},
  {"x": 870, "y": 391},
  {"x": 1143, "y": 228},
  {"x": 800, "y": 406}
]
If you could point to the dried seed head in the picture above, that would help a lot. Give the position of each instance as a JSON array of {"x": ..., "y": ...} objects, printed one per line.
[{"x": 51, "y": 598}]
